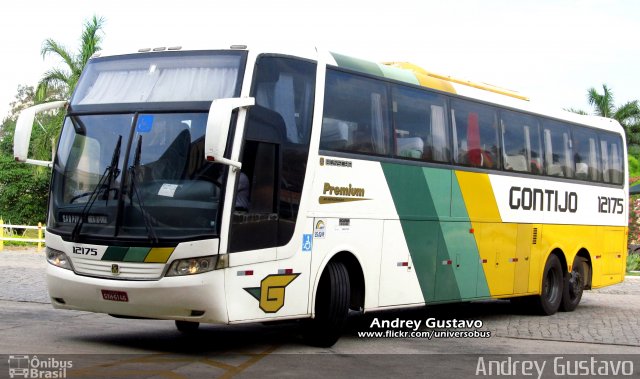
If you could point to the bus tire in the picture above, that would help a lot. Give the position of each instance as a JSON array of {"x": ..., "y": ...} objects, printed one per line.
[
  {"x": 550, "y": 297},
  {"x": 574, "y": 285},
  {"x": 332, "y": 307},
  {"x": 187, "y": 327}
]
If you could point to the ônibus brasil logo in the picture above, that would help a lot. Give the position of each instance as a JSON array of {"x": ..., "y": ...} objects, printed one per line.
[{"x": 24, "y": 366}]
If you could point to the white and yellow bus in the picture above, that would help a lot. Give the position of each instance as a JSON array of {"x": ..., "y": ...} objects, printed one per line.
[{"x": 239, "y": 185}]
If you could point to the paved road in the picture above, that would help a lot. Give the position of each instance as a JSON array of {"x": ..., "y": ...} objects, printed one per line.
[{"x": 606, "y": 322}]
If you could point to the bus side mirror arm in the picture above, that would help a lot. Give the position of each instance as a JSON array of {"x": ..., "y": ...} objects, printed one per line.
[
  {"x": 218, "y": 128},
  {"x": 24, "y": 126}
]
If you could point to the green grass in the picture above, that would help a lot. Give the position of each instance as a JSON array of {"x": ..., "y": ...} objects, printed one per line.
[
  {"x": 28, "y": 233},
  {"x": 633, "y": 262}
]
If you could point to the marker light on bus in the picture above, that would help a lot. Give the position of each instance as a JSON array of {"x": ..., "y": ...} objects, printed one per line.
[
  {"x": 198, "y": 265},
  {"x": 58, "y": 258}
]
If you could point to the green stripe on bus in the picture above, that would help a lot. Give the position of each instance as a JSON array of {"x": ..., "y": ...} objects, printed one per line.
[
  {"x": 377, "y": 69},
  {"x": 436, "y": 226},
  {"x": 470, "y": 245},
  {"x": 115, "y": 253},
  {"x": 418, "y": 215},
  {"x": 459, "y": 241},
  {"x": 356, "y": 64},
  {"x": 136, "y": 254},
  {"x": 398, "y": 74}
]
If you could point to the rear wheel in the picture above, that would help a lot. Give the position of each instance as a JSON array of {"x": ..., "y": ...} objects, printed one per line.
[
  {"x": 574, "y": 285},
  {"x": 332, "y": 307},
  {"x": 187, "y": 326},
  {"x": 552, "y": 287}
]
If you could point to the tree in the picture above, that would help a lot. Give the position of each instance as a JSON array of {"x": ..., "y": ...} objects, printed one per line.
[
  {"x": 628, "y": 114},
  {"x": 24, "y": 188},
  {"x": 62, "y": 81},
  {"x": 24, "y": 99},
  {"x": 23, "y": 192},
  {"x": 59, "y": 83}
]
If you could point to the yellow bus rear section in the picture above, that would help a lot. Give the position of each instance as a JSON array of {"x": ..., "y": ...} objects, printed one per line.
[{"x": 513, "y": 255}]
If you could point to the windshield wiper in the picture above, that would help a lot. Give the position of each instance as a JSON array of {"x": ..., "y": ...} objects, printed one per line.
[
  {"x": 110, "y": 174},
  {"x": 133, "y": 189}
]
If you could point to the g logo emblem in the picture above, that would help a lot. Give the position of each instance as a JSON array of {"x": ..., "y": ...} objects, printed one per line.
[{"x": 270, "y": 294}]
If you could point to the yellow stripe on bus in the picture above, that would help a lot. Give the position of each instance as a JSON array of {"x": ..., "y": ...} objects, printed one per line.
[
  {"x": 496, "y": 241},
  {"x": 478, "y": 196},
  {"x": 159, "y": 255}
]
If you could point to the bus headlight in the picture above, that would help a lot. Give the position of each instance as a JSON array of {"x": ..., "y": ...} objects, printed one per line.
[
  {"x": 58, "y": 258},
  {"x": 191, "y": 266}
]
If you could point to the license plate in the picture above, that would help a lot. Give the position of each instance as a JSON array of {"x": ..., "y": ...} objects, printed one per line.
[{"x": 115, "y": 295}]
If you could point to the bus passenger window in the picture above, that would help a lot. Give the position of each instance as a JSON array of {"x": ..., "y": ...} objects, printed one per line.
[
  {"x": 475, "y": 134},
  {"x": 611, "y": 152},
  {"x": 419, "y": 125},
  {"x": 520, "y": 143},
  {"x": 585, "y": 154},
  {"x": 355, "y": 115},
  {"x": 557, "y": 149}
]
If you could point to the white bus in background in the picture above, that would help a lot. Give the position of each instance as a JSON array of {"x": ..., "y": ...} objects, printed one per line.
[{"x": 244, "y": 185}]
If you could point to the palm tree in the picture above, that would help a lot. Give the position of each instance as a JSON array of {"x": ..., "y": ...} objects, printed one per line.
[
  {"x": 628, "y": 114},
  {"x": 60, "y": 82}
]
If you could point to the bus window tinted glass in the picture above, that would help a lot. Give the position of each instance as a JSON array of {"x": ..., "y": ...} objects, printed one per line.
[
  {"x": 585, "y": 154},
  {"x": 355, "y": 115},
  {"x": 419, "y": 125},
  {"x": 475, "y": 134},
  {"x": 557, "y": 149},
  {"x": 286, "y": 86},
  {"x": 521, "y": 143},
  {"x": 612, "y": 164}
]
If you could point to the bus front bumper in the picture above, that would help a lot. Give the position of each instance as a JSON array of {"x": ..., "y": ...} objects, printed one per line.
[{"x": 199, "y": 298}]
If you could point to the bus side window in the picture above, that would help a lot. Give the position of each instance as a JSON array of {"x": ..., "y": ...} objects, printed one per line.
[
  {"x": 355, "y": 115},
  {"x": 521, "y": 143},
  {"x": 611, "y": 153},
  {"x": 475, "y": 132},
  {"x": 420, "y": 129},
  {"x": 557, "y": 149},
  {"x": 585, "y": 154}
]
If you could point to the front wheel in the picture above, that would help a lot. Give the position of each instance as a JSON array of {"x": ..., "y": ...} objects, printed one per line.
[
  {"x": 332, "y": 307},
  {"x": 549, "y": 300},
  {"x": 574, "y": 285}
]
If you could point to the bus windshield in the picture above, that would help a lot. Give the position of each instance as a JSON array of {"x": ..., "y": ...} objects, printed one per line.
[
  {"x": 130, "y": 162},
  {"x": 165, "y": 187}
]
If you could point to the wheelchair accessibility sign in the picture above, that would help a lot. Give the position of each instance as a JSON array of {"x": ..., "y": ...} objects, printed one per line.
[{"x": 307, "y": 243}]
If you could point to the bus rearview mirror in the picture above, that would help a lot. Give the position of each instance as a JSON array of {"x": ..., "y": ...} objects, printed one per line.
[
  {"x": 218, "y": 128},
  {"x": 24, "y": 126}
]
